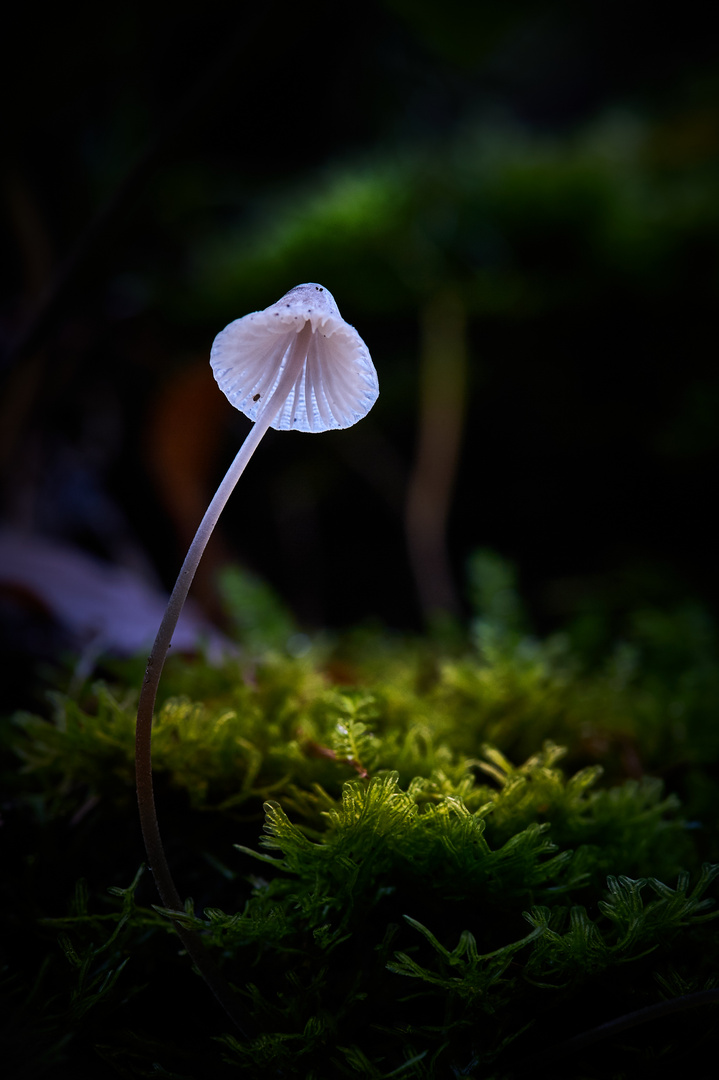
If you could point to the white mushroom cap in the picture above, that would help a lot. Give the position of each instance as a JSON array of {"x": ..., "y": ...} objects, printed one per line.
[{"x": 299, "y": 358}]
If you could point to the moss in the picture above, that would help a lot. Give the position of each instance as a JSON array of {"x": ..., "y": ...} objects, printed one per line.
[{"x": 441, "y": 888}]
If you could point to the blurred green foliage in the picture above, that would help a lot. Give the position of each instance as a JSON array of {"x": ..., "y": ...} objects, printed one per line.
[
  {"x": 577, "y": 235},
  {"x": 523, "y": 223}
]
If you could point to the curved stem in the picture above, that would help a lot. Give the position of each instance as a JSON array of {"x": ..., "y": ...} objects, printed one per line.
[
  {"x": 146, "y": 705},
  {"x": 290, "y": 373},
  {"x": 156, "y": 662}
]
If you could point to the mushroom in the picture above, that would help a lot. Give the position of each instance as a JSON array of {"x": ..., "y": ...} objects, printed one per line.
[{"x": 299, "y": 366}]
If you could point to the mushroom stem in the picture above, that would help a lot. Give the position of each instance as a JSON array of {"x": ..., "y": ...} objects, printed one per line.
[
  {"x": 148, "y": 694},
  {"x": 156, "y": 857},
  {"x": 160, "y": 648},
  {"x": 158, "y": 656}
]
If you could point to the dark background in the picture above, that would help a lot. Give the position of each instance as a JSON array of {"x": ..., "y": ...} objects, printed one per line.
[{"x": 517, "y": 204}]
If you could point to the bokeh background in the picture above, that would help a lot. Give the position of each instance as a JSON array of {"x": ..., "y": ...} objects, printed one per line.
[{"x": 517, "y": 205}]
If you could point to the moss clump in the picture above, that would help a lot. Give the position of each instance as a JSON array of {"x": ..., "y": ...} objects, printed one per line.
[{"x": 428, "y": 899}]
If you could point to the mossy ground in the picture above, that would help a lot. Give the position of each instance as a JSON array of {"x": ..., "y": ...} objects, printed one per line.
[{"x": 474, "y": 847}]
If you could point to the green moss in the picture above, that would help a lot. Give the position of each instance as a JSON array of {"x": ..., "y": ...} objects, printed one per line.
[{"x": 440, "y": 889}]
